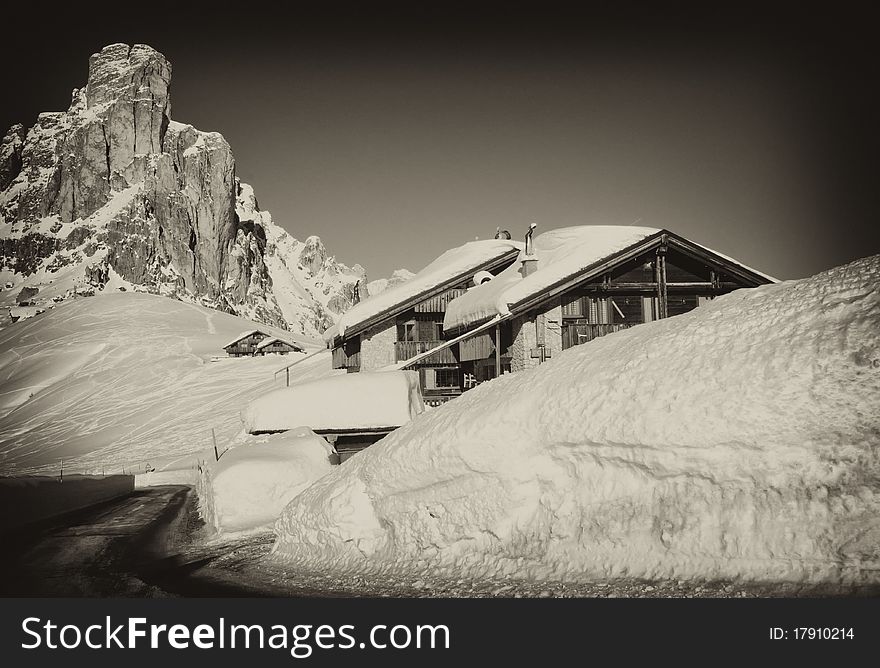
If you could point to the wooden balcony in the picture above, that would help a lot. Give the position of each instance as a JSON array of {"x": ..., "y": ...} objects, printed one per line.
[{"x": 404, "y": 350}]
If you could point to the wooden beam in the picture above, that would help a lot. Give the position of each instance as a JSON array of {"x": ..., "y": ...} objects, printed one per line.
[
  {"x": 497, "y": 350},
  {"x": 660, "y": 269}
]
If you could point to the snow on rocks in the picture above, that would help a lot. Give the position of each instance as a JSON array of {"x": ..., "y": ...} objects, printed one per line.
[
  {"x": 345, "y": 402},
  {"x": 250, "y": 485},
  {"x": 737, "y": 441}
]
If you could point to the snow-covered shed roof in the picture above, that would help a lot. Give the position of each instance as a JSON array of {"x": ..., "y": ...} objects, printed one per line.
[
  {"x": 353, "y": 401},
  {"x": 244, "y": 335},
  {"x": 443, "y": 272},
  {"x": 561, "y": 254}
]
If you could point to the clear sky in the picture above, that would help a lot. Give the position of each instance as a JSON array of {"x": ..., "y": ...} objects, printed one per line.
[{"x": 395, "y": 135}]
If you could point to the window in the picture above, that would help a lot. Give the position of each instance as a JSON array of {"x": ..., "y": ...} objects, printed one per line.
[
  {"x": 626, "y": 310},
  {"x": 420, "y": 330},
  {"x": 408, "y": 331},
  {"x": 445, "y": 378}
]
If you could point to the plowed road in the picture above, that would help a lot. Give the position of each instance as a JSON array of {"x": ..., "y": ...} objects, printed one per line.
[{"x": 104, "y": 550}]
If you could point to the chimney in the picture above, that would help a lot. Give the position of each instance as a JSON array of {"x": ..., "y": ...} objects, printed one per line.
[{"x": 530, "y": 261}]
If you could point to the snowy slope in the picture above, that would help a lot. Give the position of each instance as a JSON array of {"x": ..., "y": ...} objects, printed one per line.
[
  {"x": 740, "y": 440},
  {"x": 126, "y": 379}
]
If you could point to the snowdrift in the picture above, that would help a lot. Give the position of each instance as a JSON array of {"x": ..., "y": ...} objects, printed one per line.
[
  {"x": 251, "y": 484},
  {"x": 120, "y": 381},
  {"x": 736, "y": 441},
  {"x": 350, "y": 401}
]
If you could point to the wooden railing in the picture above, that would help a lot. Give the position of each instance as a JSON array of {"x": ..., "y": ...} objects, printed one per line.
[
  {"x": 404, "y": 350},
  {"x": 576, "y": 333},
  {"x": 437, "y": 303}
]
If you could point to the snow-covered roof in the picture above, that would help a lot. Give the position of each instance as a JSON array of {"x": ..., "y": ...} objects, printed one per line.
[
  {"x": 450, "y": 266},
  {"x": 354, "y": 401},
  {"x": 244, "y": 335},
  {"x": 560, "y": 253},
  {"x": 277, "y": 339}
]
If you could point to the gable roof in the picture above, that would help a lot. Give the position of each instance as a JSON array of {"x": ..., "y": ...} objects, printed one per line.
[
  {"x": 277, "y": 339},
  {"x": 568, "y": 256},
  {"x": 244, "y": 335},
  {"x": 445, "y": 272}
]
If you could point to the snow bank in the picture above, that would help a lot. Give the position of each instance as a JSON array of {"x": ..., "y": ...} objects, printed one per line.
[
  {"x": 251, "y": 484},
  {"x": 350, "y": 401},
  {"x": 560, "y": 253},
  {"x": 740, "y": 440},
  {"x": 453, "y": 263}
]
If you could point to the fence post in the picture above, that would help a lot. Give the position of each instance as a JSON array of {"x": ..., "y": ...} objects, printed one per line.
[{"x": 214, "y": 437}]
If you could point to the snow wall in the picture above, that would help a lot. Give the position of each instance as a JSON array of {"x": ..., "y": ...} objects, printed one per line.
[
  {"x": 251, "y": 484},
  {"x": 736, "y": 441}
]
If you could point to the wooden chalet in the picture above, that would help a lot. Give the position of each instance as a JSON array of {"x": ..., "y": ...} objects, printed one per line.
[
  {"x": 274, "y": 345},
  {"x": 407, "y": 320},
  {"x": 246, "y": 343},
  {"x": 558, "y": 297}
]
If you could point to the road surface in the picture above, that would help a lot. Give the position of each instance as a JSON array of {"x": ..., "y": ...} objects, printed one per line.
[{"x": 103, "y": 550}]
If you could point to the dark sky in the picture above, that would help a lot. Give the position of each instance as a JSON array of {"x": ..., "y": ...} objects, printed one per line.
[{"x": 395, "y": 135}]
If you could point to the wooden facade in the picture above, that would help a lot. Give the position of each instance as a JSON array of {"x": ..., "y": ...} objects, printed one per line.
[
  {"x": 660, "y": 282},
  {"x": 660, "y": 277},
  {"x": 347, "y": 355},
  {"x": 275, "y": 346},
  {"x": 246, "y": 345}
]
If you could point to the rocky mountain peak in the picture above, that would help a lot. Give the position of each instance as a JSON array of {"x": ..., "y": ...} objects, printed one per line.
[
  {"x": 313, "y": 255},
  {"x": 136, "y": 72},
  {"x": 114, "y": 184}
]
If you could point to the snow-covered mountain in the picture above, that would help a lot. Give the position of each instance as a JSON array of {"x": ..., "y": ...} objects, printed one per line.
[
  {"x": 380, "y": 285},
  {"x": 113, "y": 191}
]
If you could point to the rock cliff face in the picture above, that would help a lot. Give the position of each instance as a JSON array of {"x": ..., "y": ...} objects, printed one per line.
[{"x": 114, "y": 183}]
